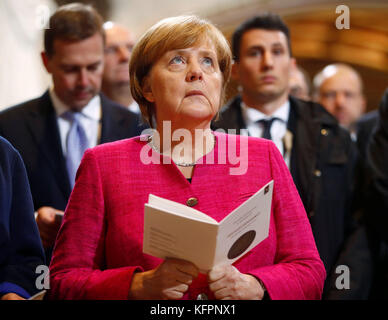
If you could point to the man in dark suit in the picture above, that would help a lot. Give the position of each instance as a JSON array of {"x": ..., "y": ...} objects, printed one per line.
[
  {"x": 51, "y": 132},
  {"x": 364, "y": 129},
  {"x": 376, "y": 193},
  {"x": 319, "y": 153},
  {"x": 21, "y": 251}
]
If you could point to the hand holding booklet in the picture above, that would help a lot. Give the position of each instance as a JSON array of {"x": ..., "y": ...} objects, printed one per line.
[
  {"x": 173, "y": 230},
  {"x": 39, "y": 296}
]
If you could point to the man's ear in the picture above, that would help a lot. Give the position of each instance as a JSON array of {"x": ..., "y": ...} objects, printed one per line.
[
  {"x": 235, "y": 71},
  {"x": 292, "y": 64},
  {"x": 45, "y": 60},
  {"x": 147, "y": 90},
  {"x": 363, "y": 103}
]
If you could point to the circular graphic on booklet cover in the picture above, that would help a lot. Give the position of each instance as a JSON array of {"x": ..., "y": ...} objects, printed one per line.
[{"x": 241, "y": 244}]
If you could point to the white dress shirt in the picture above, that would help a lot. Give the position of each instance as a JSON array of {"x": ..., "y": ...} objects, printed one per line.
[
  {"x": 278, "y": 128},
  {"x": 90, "y": 120}
]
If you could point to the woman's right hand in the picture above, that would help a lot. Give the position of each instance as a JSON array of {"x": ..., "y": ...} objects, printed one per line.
[
  {"x": 169, "y": 281},
  {"x": 11, "y": 296}
]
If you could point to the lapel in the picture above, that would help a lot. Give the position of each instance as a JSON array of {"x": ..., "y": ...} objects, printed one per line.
[
  {"x": 42, "y": 123},
  {"x": 297, "y": 142},
  {"x": 236, "y": 105},
  {"x": 305, "y": 126},
  {"x": 231, "y": 116}
]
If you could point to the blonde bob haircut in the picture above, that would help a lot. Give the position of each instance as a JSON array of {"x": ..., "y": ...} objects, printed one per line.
[{"x": 171, "y": 34}]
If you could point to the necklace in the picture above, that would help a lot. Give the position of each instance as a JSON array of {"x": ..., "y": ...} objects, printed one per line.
[{"x": 180, "y": 164}]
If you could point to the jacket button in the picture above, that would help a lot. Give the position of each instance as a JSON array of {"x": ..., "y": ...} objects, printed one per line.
[
  {"x": 317, "y": 173},
  {"x": 202, "y": 296},
  {"x": 191, "y": 202},
  {"x": 324, "y": 132}
]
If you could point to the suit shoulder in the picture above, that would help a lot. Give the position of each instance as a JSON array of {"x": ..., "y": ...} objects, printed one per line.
[
  {"x": 20, "y": 110},
  {"x": 124, "y": 112},
  {"x": 124, "y": 145},
  {"x": 118, "y": 108},
  {"x": 368, "y": 120},
  {"x": 121, "y": 113},
  {"x": 6, "y": 146},
  {"x": 229, "y": 115},
  {"x": 250, "y": 142},
  {"x": 7, "y": 152},
  {"x": 313, "y": 114},
  {"x": 313, "y": 111},
  {"x": 231, "y": 105}
]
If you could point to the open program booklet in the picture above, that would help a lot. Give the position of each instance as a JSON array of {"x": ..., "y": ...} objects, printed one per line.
[{"x": 174, "y": 230}]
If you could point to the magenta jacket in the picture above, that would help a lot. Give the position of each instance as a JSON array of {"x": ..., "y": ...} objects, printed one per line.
[{"x": 99, "y": 245}]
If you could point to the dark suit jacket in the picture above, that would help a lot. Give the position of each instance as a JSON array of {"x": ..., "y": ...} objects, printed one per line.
[
  {"x": 377, "y": 161},
  {"x": 323, "y": 158},
  {"x": 364, "y": 128},
  {"x": 32, "y": 129},
  {"x": 376, "y": 205},
  {"x": 20, "y": 247}
]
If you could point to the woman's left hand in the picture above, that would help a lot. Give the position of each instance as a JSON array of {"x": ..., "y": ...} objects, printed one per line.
[
  {"x": 11, "y": 296},
  {"x": 227, "y": 283}
]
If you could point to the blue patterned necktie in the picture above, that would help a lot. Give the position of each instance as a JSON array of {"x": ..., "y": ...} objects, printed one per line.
[
  {"x": 76, "y": 144},
  {"x": 267, "y": 123}
]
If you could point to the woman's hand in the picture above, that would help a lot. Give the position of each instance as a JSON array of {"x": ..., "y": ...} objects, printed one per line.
[
  {"x": 170, "y": 280},
  {"x": 11, "y": 296},
  {"x": 227, "y": 283}
]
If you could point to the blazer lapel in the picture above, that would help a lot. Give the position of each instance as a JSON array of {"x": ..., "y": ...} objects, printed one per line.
[
  {"x": 239, "y": 119},
  {"x": 43, "y": 126}
]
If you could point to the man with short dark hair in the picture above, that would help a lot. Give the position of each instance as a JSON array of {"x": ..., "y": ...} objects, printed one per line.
[
  {"x": 320, "y": 154},
  {"x": 53, "y": 131}
]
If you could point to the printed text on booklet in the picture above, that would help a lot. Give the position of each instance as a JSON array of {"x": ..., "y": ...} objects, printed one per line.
[{"x": 173, "y": 230}]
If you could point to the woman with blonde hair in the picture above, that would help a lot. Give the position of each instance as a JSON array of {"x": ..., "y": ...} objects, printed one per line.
[{"x": 179, "y": 70}]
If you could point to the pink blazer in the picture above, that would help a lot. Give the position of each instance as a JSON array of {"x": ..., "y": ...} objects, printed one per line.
[{"x": 99, "y": 245}]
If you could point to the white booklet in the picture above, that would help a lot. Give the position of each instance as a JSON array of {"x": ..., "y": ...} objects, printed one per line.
[
  {"x": 173, "y": 230},
  {"x": 39, "y": 296}
]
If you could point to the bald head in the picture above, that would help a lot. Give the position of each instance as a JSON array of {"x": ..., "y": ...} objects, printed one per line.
[
  {"x": 119, "y": 44},
  {"x": 338, "y": 87}
]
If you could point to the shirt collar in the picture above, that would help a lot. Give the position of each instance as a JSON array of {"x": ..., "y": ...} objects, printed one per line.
[
  {"x": 92, "y": 110},
  {"x": 254, "y": 115}
]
